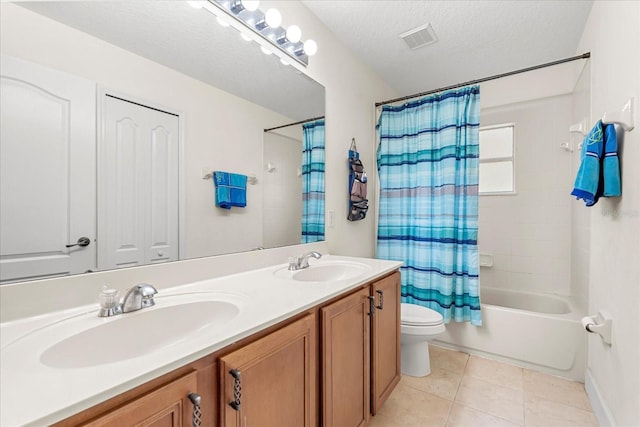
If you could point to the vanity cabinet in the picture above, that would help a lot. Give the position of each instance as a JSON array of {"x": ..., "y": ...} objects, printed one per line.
[
  {"x": 360, "y": 352},
  {"x": 385, "y": 342},
  {"x": 164, "y": 401},
  {"x": 271, "y": 382},
  {"x": 332, "y": 366},
  {"x": 169, "y": 406},
  {"x": 345, "y": 361}
]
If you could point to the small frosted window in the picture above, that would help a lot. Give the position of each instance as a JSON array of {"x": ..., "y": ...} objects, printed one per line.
[
  {"x": 496, "y": 159},
  {"x": 496, "y": 177},
  {"x": 496, "y": 142}
]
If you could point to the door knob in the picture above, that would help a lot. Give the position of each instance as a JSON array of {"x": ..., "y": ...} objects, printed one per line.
[{"x": 82, "y": 242}]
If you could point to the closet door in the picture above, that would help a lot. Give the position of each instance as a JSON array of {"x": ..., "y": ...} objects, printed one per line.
[
  {"x": 138, "y": 186},
  {"x": 47, "y": 171}
]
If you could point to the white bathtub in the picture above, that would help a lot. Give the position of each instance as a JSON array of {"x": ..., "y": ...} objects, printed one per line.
[{"x": 536, "y": 331}]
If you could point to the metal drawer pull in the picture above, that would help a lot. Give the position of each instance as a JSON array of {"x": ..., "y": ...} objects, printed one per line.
[
  {"x": 381, "y": 295},
  {"x": 197, "y": 413},
  {"x": 237, "y": 389},
  {"x": 372, "y": 305}
]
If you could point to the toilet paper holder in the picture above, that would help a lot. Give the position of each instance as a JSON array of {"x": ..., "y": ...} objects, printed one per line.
[{"x": 599, "y": 324}]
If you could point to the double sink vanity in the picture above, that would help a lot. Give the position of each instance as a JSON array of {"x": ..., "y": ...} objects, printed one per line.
[{"x": 274, "y": 346}]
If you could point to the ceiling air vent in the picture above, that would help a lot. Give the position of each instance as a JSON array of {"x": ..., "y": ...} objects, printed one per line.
[{"x": 419, "y": 37}]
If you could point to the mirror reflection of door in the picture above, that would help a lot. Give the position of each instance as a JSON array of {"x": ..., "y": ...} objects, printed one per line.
[
  {"x": 47, "y": 172},
  {"x": 138, "y": 186}
]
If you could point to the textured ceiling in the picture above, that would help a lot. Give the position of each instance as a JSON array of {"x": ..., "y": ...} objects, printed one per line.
[
  {"x": 190, "y": 41},
  {"x": 477, "y": 38}
]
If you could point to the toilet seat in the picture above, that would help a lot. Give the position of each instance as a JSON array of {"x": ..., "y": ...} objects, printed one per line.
[{"x": 416, "y": 315}]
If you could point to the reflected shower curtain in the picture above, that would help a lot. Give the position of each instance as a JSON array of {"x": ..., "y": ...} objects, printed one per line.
[
  {"x": 312, "y": 182},
  {"x": 428, "y": 214}
]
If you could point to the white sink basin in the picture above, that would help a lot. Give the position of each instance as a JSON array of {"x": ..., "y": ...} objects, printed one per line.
[
  {"x": 325, "y": 271},
  {"x": 87, "y": 340}
]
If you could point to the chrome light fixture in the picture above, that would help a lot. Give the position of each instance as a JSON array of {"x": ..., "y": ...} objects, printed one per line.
[{"x": 266, "y": 25}]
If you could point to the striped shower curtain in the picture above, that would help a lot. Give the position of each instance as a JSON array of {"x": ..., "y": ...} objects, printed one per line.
[
  {"x": 428, "y": 213},
  {"x": 312, "y": 182}
]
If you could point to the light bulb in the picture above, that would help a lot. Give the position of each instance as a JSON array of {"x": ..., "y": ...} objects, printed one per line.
[
  {"x": 273, "y": 18},
  {"x": 265, "y": 50},
  {"x": 195, "y": 4},
  {"x": 284, "y": 62},
  {"x": 250, "y": 5},
  {"x": 310, "y": 47},
  {"x": 294, "y": 33},
  {"x": 245, "y": 37}
]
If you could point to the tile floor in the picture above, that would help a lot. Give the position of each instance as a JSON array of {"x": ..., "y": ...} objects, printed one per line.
[{"x": 472, "y": 391}]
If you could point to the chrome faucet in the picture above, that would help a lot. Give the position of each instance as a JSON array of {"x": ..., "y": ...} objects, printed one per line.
[
  {"x": 302, "y": 261},
  {"x": 137, "y": 297}
]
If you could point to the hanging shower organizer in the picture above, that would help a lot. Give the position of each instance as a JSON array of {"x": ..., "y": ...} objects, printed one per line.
[{"x": 358, "y": 203}]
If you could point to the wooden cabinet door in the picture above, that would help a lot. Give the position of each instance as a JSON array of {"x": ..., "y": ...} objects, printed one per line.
[
  {"x": 345, "y": 361},
  {"x": 385, "y": 348},
  {"x": 167, "y": 406},
  {"x": 272, "y": 380}
]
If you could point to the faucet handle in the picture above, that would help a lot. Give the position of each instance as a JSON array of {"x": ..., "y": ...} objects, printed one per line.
[
  {"x": 294, "y": 263},
  {"x": 109, "y": 305}
]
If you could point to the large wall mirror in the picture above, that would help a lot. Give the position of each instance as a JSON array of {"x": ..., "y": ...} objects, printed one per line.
[{"x": 115, "y": 67}]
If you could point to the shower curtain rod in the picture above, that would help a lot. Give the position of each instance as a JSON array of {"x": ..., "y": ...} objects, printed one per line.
[
  {"x": 484, "y": 79},
  {"x": 296, "y": 123}
]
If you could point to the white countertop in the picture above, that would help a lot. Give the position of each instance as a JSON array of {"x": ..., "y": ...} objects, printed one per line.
[{"x": 32, "y": 393}]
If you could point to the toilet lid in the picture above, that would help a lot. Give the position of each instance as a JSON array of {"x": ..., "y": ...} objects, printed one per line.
[{"x": 416, "y": 315}]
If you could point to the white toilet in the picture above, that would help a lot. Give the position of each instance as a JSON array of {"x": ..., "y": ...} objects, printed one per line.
[{"x": 418, "y": 326}]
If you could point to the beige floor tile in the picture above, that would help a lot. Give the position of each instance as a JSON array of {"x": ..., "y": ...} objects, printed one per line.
[
  {"x": 556, "y": 389},
  {"x": 494, "y": 372},
  {"x": 450, "y": 360},
  {"x": 408, "y": 407},
  {"x": 463, "y": 416},
  {"x": 441, "y": 382},
  {"x": 381, "y": 420},
  {"x": 545, "y": 413},
  {"x": 499, "y": 401}
]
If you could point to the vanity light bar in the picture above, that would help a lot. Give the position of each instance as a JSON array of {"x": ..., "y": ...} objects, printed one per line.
[{"x": 260, "y": 23}]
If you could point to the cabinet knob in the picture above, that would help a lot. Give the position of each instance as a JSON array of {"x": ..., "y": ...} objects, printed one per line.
[
  {"x": 196, "y": 417},
  {"x": 237, "y": 389}
]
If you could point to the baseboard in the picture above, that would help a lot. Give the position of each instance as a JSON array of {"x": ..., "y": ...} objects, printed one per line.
[{"x": 598, "y": 405}]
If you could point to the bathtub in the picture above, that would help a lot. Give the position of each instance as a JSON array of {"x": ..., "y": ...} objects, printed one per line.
[{"x": 535, "y": 331}]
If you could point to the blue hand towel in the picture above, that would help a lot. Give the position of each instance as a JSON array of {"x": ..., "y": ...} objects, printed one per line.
[
  {"x": 610, "y": 163},
  {"x": 231, "y": 189},
  {"x": 588, "y": 178}
]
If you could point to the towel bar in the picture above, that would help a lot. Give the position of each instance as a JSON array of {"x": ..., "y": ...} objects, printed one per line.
[{"x": 624, "y": 118}]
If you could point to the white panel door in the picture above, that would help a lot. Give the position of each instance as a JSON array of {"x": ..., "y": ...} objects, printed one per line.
[
  {"x": 138, "y": 187},
  {"x": 47, "y": 171}
]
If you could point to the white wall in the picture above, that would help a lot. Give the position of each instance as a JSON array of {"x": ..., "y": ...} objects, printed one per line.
[
  {"x": 612, "y": 34},
  {"x": 580, "y": 223},
  {"x": 282, "y": 190},
  {"x": 529, "y": 233}
]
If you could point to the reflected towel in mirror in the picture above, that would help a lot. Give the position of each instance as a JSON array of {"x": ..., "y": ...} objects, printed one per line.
[{"x": 230, "y": 189}]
